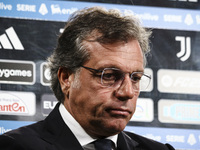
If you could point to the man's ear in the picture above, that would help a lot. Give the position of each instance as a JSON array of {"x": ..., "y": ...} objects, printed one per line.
[{"x": 64, "y": 79}]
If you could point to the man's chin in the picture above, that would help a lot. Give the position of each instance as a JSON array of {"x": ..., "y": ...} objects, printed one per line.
[
  {"x": 108, "y": 127},
  {"x": 115, "y": 127}
]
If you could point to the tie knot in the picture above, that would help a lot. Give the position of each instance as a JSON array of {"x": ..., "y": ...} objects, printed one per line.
[{"x": 103, "y": 144}]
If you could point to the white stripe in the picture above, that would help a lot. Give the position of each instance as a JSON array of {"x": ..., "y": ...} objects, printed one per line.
[
  {"x": 14, "y": 39},
  {"x": 5, "y": 42}
]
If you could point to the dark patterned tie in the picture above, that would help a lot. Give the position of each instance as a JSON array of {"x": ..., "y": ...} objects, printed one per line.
[{"x": 103, "y": 144}]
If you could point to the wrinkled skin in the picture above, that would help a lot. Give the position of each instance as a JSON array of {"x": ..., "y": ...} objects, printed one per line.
[{"x": 103, "y": 111}]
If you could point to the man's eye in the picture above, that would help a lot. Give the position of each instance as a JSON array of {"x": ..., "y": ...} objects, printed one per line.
[
  {"x": 136, "y": 78},
  {"x": 109, "y": 76}
]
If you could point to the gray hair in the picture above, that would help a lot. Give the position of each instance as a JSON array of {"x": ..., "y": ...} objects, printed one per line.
[{"x": 112, "y": 27}]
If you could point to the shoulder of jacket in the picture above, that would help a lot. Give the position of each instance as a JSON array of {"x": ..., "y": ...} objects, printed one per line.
[{"x": 146, "y": 142}]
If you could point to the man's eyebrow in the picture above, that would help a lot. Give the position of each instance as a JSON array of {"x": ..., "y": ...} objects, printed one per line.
[
  {"x": 119, "y": 68},
  {"x": 107, "y": 66},
  {"x": 111, "y": 67},
  {"x": 138, "y": 71}
]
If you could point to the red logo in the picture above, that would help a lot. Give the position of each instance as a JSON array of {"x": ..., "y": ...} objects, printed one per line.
[{"x": 15, "y": 107}]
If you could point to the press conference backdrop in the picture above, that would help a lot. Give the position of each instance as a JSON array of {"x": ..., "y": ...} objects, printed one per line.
[{"x": 169, "y": 111}]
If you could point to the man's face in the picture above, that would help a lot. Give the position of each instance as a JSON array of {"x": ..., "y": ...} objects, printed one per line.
[{"x": 105, "y": 111}]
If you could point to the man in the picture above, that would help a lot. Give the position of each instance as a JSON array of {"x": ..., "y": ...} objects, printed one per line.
[{"x": 97, "y": 74}]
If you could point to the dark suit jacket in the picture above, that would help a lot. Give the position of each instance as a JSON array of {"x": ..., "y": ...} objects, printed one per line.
[{"x": 53, "y": 134}]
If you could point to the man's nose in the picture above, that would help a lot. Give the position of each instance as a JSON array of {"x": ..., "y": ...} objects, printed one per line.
[{"x": 125, "y": 90}]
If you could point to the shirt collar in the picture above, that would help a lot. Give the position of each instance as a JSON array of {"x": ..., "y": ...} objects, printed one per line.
[{"x": 77, "y": 130}]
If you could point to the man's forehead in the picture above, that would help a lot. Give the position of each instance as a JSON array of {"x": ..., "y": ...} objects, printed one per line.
[
  {"x": 118, "y": 54},
  {"x": 92, "y": 42}
]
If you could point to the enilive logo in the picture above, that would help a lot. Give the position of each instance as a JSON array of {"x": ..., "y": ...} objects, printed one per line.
[
  {"x": 17, "y": 103},
  {"x": 55, "y": 9},
  {"x": 17, "y": 72},
  {"x": 148, "y": 16},
  {"x": 5, "y": 6},
  {"x": 10, "y": 40}
]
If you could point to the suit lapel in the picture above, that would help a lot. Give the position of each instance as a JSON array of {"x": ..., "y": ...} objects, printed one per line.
[
  {"x": 60, "y": 137},
  {"x": 57, "y": 133},
  {"x": 124, "y": 142},
  {"x": 142, "y": 143}
]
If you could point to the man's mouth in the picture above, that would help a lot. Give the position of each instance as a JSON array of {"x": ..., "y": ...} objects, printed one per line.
[{"x": 120, "y": 112}]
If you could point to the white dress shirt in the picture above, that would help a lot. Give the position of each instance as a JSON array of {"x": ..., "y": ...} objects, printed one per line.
[{"x": 83, "y": 138}]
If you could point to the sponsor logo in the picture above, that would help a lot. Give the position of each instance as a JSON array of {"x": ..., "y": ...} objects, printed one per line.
[
  {"x": 55, "y": 9},
  {"x": 144, "y": 110},
  {"x": 7, "y": 125},
  {"x": 43, "y": 9},
  {"x": 10, "y": 40},
  {"x": 198, "y": 19},
  {"x": 4, "y": 130},
  {"x": 17, "y": 72},
  {"x": 49, "y": 101},
  {"x": 179, "y": 81},
  {"x": 175, "y": 138},
  {"x": 142, "y": 16},
  {"x": 26, "y": 8},
  {"x": 189, "y": 20},
  {"x": 5, "y": 6},
  {"x": 173, "y": 18},
  {"x": 185, "y": 47},
  {"x": 148, "y": 16},
  {"x": 153, "y": 137},
  {"x": 17, "y": 103},
  {"x": 45, "y": 76},
  {"x": 191, "y": 139},
  {"x": 177, "y": 111}
]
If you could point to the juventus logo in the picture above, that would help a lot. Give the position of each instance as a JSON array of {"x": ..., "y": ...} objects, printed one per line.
[{"x": 185, "y": 47}]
